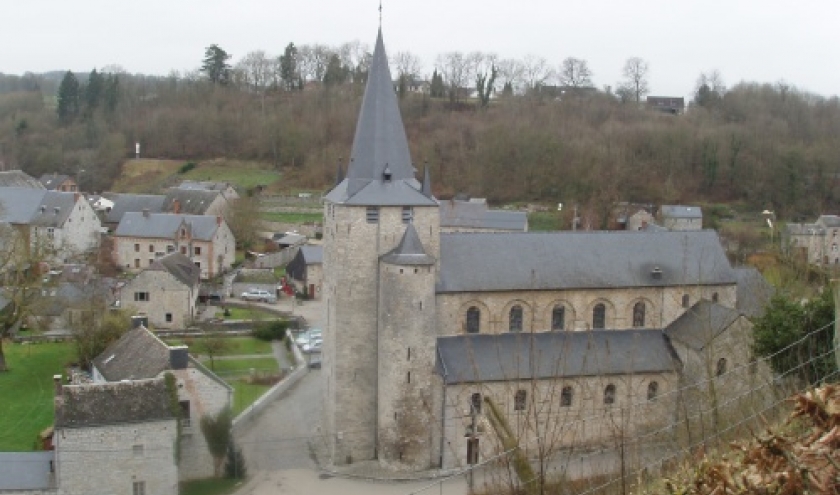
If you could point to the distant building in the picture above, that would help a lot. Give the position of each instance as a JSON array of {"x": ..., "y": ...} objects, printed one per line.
[
  {"x": 817, "y": 243},
  {"x": 667, "y": 104},
  {"x": 226, "y": 189},
  {"x": 678, "y": 217},
  {"x": 18, "y": 178},
  {"x": 56, "y": 182},
  {"x": 306, "y": 269}
]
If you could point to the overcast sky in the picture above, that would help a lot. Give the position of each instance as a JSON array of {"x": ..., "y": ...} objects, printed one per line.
[{"x": 746, "y": 40}]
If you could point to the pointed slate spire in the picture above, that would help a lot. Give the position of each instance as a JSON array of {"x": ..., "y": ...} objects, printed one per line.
[
  {"x": 427, "y": 182},
  {"x": 380, "y": 135},
  {"x": 409, "y": 251}
]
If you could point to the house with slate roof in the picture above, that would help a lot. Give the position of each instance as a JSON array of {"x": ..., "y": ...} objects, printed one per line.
[
  {"x": 306, "y": 269},
  {"x": 206, "y": 240},
  {"x": 817, "y": 243},
  {"x": 57, "y": 182},
  {"x": 124, "y": 203},
  {"x": 61, "y": 224},
  {"x": 225, "y": 188},
  {"x": 165, "y": 292},
  {"x": 138, "y": 357},
  {"x": 678, "y": 217},
  {"x": 195, "y": 202},
  {"x": 19, "y": 178},
  {"x": 426, "y": 324},
  {"x": 115, "y": 438}
]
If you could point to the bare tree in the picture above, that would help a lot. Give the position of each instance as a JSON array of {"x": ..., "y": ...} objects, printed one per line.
[
  {"x": 575, "y": 73},
  {"x": 257, "y": 69},
  {"x": 635, "y": 84},
  {"x": 406, "y": 64},
  {"x": 510, "y": 73},
  {"x": 455, "y": 69},
  {"x": 535, "y": 71},
  {"x": 709, "y": 88},
  {"x": 313, "y": 61}
]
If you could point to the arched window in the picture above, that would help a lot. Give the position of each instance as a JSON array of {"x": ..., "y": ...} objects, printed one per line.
[
  {"x": 609, "y": 394},
  {"x": 473, "y": 320},
  {"x": 721, "y": 367},
  {"x": 566, "y": 396},
  {"x": 599, "y": 316},
  {"x": 685, "y": 300},
  {"x": 558, "y": 318},
  {"x": 653, "y": 390},
  {"x": 639, "y": 315},
  {"x": 515, "y": 319},
  {"x": 519, "y": 400},
  {"x": 475, "y": 402}
]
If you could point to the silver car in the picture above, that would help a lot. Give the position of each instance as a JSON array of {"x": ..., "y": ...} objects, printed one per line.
[{"x": 258, "y": 295}]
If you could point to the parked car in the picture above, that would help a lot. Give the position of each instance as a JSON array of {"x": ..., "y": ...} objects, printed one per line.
[
  {"x": 314, "y": 345},
  {"x": 308, "y": 335},
  {"x": 258, "y": 295}
]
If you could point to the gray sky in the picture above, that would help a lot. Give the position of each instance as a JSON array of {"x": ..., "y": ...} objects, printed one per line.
[{"x": 746, "y": 40}]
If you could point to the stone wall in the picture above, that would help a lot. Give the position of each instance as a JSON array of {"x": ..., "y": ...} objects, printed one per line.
[{"x": 166, "y": 296}]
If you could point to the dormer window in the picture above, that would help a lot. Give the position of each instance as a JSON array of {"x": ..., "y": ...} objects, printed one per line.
[{"x": 386, "y": 174}]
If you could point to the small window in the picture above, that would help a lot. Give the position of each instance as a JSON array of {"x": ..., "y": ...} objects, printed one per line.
[
  {"x": 151, "y": 260},
  {"x": 137, "y": 248},
  {"x": 138, "y": 488},
  {"x": 185, "y": 412},
  {"x": 558, "y": 318},
  {"x": 407, "y": 214},
  {"x": 197, "y": 250},
  {"x": 515, "y": 319},
  {"x": 715, "y": 297},
  {"x": 372, "y": 214},
  {"x": 184, "y": 250},
  {"x": 51, "y": 232},
  {"x": 599, "y": 316},
  {"x": 685, "y": 300},
  {"x": 151, "y": 248},
  {"x": 197, "y": 263},
  {"x": 566, "y": 396},
  {"x": 653, "y": 390},
  {"x": 475, "y": 403},
  {"x": 137, "y": 450},
  {"x": 168, "y": 317},
  {"x": 170, "y": 248},
  {"x": 639, "y": 315},
  {"x": 473, "y": 320},
  {"x": 519, "y": 400},
  {"x": 721, "y": 367},
  {"x": 141, "y": 296},
  {"x": 609, "y": 395}
]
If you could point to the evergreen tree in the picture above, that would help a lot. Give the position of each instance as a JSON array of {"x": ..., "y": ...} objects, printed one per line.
[
  {"x": 235, "y": 463},
  {"x": 215, "y": 65},
  {"x": 507, "y": 90},
  {"x": 336, "y": 73},
  {"x": 68, "y": 98},
  {"x": 93, "y": 92},
  {"x": 111, "y": 92},
  {"x": 437, "y": 89},
  {"x": 288, "y": 67}
]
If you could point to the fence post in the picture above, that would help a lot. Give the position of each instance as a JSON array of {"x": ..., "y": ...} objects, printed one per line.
[{"x": 835, "y": 287}]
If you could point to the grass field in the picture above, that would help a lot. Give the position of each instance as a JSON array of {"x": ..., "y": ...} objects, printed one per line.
[
  {"x": 26, "y": 407},
  {"x": 244, "y": 394},
  {"x": 235, "y": 345},
  {"x": 236, "y": 366},
  {"x": 145, "y": 175},
  {"x": 292, "y": 217},
  {"x": 543, "y": 221},
  {"x": 212, "y": 486},
  {"x": 245, "y": 314},
  {"x": 242, "y": 174},
  {"x": 152, "y": 176}
]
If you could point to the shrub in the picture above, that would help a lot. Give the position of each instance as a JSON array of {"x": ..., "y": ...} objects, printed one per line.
[
  {"x": 186, "y": 167},
  {"x": 271, "y": 330}
]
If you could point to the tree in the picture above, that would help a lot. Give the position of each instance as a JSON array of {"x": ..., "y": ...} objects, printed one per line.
[
  {"x": 535, "y": 72},
  {"x": 336, "y": 73},
  {"x": 455, "y": 70},
  {"x": 289, "y": 67},
  {"x": 215, "y": 65},
  {"x": 68, "y": 98},
  {"x": 97, "y": 328},
  {"x": 437, "y": 88},
  {"x": 217, "y": 434},
  {"x": 574, "y": 73},
  {"x": 235, "y": 463},
  {"x": 406, "y": 64},
  {"x": 244, "y": 220},
  {"x": 256, "y": 67},
  {"x": 93, "y": 92},
  {"x": 709, "y": 89},
  {"x": 485, "y": 87},
  {"x": 635, "y": 84},
  {"x": 211, "y": 346}
]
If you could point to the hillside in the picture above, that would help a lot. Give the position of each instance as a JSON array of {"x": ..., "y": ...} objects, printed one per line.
[{"x": 151, "y": 176}]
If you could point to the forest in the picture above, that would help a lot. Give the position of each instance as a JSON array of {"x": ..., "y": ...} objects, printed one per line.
[{"x": 753, "y": 145}]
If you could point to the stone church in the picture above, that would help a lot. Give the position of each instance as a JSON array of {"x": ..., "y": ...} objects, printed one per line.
[{"x": 425, "y": 330}]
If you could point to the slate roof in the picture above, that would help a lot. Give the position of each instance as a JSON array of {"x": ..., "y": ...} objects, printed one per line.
[
  {"x": 409, "y": 251},
  {"x": 124, "y": 203},
  {"x": 18, "y": 178},
  {"x": 25, "y": 470},
  {"x": 23, "y": 206},
  {"x": 166, "y": 225},
  {"x": 679, "y": 211},
  {"x": 192, "y": 201},
  {"x": 476, "y": 262},
  {"x": 478, "y": 215},
  {"x": 137, "y": 355},
  {"x": 831, "y": 221},
  {"x": 51, "y": 181},
  {"x": 112, "y": 403},
  {"x": 701, "y": 324},
  {"x": 753, "y": 293},
  {"x": 289, "y": 239},
  {"x": 380, "y": 144},
  {"x": 180, "y": 267},
  {"x": 804, "y": 229},
  {"x": 509, "y": 356},
  {"x": 312, "y": 255}
]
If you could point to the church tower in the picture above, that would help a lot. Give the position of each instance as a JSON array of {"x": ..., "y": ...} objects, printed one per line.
[{"x": 381, "y": 246}]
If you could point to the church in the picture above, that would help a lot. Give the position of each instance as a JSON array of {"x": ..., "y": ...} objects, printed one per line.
[{"x": 438, "y": 343}]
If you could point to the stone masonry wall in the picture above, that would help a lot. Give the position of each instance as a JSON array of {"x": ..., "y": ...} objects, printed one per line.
[{"x": 166, "y": 296}]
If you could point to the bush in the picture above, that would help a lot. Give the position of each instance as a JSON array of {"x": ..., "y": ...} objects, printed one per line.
[
  {"x": 186, "y": 167},
  {"x": 271, "y": 330}
]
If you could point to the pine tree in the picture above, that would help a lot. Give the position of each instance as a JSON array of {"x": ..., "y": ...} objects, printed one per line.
[
  {"x": 215, "y": 65},
  {"x": 437, "y": 89},
  {"x": 93, "y": 92},
  {"x": 288, "y": 67},
  {"x": 68, "y": 98}
]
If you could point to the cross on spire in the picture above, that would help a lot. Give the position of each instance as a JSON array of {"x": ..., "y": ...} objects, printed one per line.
[{"x": 380, "y": 14}]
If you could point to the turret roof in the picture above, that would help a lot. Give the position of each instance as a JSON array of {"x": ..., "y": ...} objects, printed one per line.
[{"x": 409, "y": 251}]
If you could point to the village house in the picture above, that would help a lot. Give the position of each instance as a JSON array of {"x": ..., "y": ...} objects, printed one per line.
[
  {"x": 408, "y": 304},
  {"x": 141, "y": 238},
  {"x": 57, "y": 182},
  {"x": 817, "y": 243},
  {"x": 60, "y": 226},
  {"x": 195, "y": 202},
  {"x": 226, "y": 189},
  {"x": 124, "y": 203},
  {"x": 306, "y": 270},
  {"x": 165, "y": 292},
  {"x": 19, "y": 178},
  {"x": 678, "y": 217},
  {"x": 674, "y": 105},
  {"x": 139, "y": 356}
]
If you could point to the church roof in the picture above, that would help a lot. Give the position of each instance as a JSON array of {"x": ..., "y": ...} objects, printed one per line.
[
  {"x": 754, "y": 292},
  {"x": 511, "y": 356},
  {"x": 476, "y": 262},
  {"x": 409, "y": 251},
  {"x": 380, "y": 143},
  {"x": 701, "y": 324},
  {"x": 477, "y": 215}
]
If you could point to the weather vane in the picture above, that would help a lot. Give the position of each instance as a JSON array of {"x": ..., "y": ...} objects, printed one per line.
[{"x": 380, "y": 13}]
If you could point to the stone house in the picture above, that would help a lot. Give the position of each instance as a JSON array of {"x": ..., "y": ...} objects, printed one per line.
[
  {"x": 141, "y": 238},
  {"x": 406, "y": 302},
  {"x": 124, "y": 203},
  {"x": 677, "y": 217},
  {"x": 817, "y": 243},
  {"x": 66, "y": 305},
  {"x": 140, "y": 356},
  {"x": 195, "y": 202},
  {"x": 57, "y": 182},
  {"x": 674, "y": 105},
  {"x": 226, "y": 189},
  {"x": 60, "y": 225},
  {"x": 165, "y": 292},
  {"x": 115, "y": 438},
  {"x": 306, "y": 269}
]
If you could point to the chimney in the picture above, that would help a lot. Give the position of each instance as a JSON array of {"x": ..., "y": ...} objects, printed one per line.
[
  {"x": 56, "y": 210},
  {"x": 146, "y": 212},
  {"x": 176, "y": 206},
  {"x": 57, "y": 385},
  {"x": 139, "y": 321},
  {"x": 76, "y": 197},
  {"x": 656, "y": 273},
  {"x": 219, "y": 220},
  {"x": 43, "y": 208},
  {"x": 179, "y": 357}
]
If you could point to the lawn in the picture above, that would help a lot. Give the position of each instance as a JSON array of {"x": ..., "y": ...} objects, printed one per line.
[
  {"x": 235, "y": 345},
  {"x": 146, "y": 176},
  {"x": 27, "y": 391},
  {"x": 231, "y": 368},
  {"x": 292, "y": 217},
  {"x": 244, "y": 394},
  {"x": 212, "y": 486},
  {"x": 242, "y": 174},
  {"x": 543, "y": 221},
  {"x": 245, "y": 314}
]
